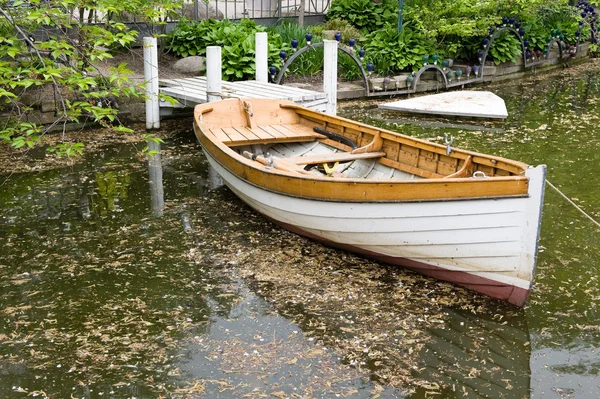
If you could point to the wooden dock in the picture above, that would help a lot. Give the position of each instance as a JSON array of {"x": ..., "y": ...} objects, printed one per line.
[{"x": 191, "y": 91}]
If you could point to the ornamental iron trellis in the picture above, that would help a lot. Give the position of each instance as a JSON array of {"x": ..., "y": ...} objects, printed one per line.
[{"x": 310, "y": 47}]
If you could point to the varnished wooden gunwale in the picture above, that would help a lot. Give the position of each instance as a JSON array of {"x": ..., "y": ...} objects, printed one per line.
[
  {"x": 360, "y": 190},
  {"x": 435, "y": 187},
  {"x": 514, "y": 167}
]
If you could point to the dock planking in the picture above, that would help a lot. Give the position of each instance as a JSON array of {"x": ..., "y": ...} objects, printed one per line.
[{"x": 192, "y": 91}]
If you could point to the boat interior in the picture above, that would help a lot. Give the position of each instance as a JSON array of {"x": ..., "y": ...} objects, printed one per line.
[{"x": 280, "y": 135}]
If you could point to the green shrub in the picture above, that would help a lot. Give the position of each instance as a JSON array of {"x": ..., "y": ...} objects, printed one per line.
[
  {"x": 391, "y": 52},
  {"x": 348, "y": 68},
  {"x": 308, "y": 63},
  {"x": 536, "y": 34},
  {"x": 365, "y": 15},
  {"x": 541, "y": 20},
  {"x": 456, "y": 26},
  {"x": 311, "y": 62},
  {"x": 506, "y": 47},
  {"x": 236, "y": 41},
  {"x": 459, "y": 25},
  {"x": 339, "y": 25}
]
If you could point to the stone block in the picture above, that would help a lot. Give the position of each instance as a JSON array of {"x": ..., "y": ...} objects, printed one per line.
[
  {"x": 506, "y": 68},
  {"x": 429, "y": 75},
  {"x": 42, "y": 118},
  {"x": 48, "y": 106},
  {"x": 400, "y": 81},
  {"x": 490, "y": 70},
  {"x": 376, "y": 84},
  {"x": 190, "y": 65},
  {"x": 135, "y": 112}
]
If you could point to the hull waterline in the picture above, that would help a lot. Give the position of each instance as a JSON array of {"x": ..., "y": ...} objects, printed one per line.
[{"x": 488, "y": 279}]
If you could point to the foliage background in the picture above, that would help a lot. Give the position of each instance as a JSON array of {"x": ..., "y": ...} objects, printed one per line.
[
  {"x": 83, "y": 33},
  {"x": 55, "y": 46}
]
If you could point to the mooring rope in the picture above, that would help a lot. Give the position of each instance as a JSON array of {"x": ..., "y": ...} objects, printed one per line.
[{"x": 573, "y": 203}]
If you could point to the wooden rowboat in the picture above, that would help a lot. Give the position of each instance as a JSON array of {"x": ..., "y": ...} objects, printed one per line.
[{"x": 468, "y": 218}]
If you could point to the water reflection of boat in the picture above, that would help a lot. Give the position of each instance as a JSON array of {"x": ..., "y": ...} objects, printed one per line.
[
  {"x": 460, "y": 216},
  {"x": 478, "y": 356}
]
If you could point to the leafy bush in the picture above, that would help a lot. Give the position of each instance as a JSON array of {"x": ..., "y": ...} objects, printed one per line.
[
  {"x": 311, "y": 62},
  {"x": 458, "y": 25},
  {"x": 551, "y": 15},
  {"x": 539, "y": 20},
  {"x": 391, "y": 52},
  {"x": 308, "y": 63},
  {"x": 235, "y": 39},
  {"x": 453, "y": 25},
  {"x": 339, "y": 25},
  {"x": 506, "y": 47},
  {"x": 536, "y": 34},
  {"x": 365, "y": 15},
  {"x": 348, "y": 68}
]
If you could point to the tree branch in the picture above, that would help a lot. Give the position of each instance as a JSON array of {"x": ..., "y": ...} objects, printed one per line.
[{"x": 32, "y": 45}]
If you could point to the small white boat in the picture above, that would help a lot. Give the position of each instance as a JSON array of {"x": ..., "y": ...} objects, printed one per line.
[{"x": 468, "y": 218}]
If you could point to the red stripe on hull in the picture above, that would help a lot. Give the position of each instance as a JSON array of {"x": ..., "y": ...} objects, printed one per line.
[{"x": 514, "y": 295}]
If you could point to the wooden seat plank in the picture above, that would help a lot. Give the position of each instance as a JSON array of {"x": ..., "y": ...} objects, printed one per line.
[
  {"x": 286, "y": 131},
  {"x": 256, "y": 132},
  {"x": 248, "y": 133},
  {"x": 272, "y": 131},
  {"x": 302, "y": 130},
  {"x": 234, "y": 135},
  {"x": 220, "y": 135},
  {"x": 211, "y": 135},
  {"x": 335, "y": 157}
]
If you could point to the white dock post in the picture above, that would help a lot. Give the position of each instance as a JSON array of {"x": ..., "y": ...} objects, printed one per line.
[
  {"x": 151, "y": 78},
  {"x": 330, "y": 75},
  {"x": 213, "y": 73},
  {"x": 262, "y": 57}
]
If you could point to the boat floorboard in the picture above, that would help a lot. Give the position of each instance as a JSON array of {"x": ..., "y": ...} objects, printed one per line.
[{"x": 359, "y": 166}]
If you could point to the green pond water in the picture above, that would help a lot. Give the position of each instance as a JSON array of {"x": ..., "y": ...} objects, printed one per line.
[{"x": 122, "y": 277}]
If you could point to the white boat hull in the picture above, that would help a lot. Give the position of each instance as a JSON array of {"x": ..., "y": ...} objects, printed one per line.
[{"x": 488, "y": 245}]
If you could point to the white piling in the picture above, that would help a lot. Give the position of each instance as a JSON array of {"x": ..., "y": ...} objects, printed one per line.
[
  {"x": 330, "y": 65},
  {"x": 213, "y": 73},
  {"x": 262, "y": 57},
  {"x": 151, "y": 78}
]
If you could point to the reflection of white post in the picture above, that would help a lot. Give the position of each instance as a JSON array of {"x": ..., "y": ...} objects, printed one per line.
[
  {"x": 262, "y": 57},
  {"x": 213, "y": 82},
  {"x": 214, "y": 179},
  {"x": 151, "y": 78},
  {"x": 213, "y": 73},
  {"x": 155, "y": 172},
  {"x": 330, "y": 75}
]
